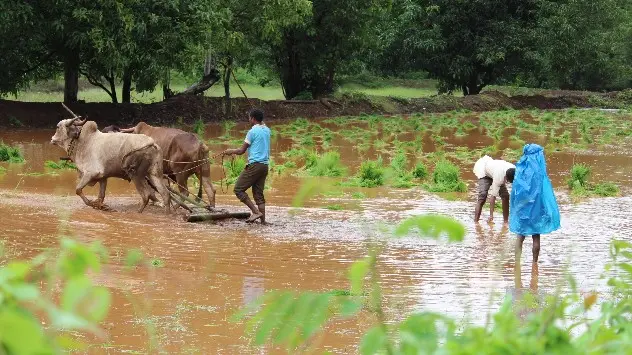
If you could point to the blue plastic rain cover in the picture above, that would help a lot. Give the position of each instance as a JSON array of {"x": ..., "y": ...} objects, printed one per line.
[{"x": 533, "y": 208}]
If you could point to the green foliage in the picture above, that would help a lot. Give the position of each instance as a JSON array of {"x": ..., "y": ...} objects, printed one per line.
[
  {"x": 579, "y": 176},
  {"x": 28, "y": 301},
  {"x": 451, "y": 45},
  {"x": 420, "y": 171},
  {"x": 327, "y": 164},
  {"x": 233, "y": 168},
  {"x": 581, "y": 187},
  {"x": 606, "y": 189},
  {"x": 10, "y": 154},
  {"x": 3, "y": 170},
  {"x": 335, "y": 207},
  {"x": 199, "y": 128},
  {"x": 446, "y": 178},
  {"x": 371, "y": 173},
  {"x": 60, "y": 165}
]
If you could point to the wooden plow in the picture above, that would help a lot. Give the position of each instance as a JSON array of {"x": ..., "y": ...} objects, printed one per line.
[{"x": 200, "y": 212}]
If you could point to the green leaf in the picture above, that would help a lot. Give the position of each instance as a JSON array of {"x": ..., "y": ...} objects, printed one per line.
[
  {"x": 23, "y": 292},
  {"x": 373, "y": 341},
  {"x": 22, "y": 334},
  {"x": 350, "y": 306},
  {"x": 319, "y": 313},
  {"x": 357, "y": 273},
  {"x": 432, "y": 226}
]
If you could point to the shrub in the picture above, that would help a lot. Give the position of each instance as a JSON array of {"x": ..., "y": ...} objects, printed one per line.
[
  {"x": 199, "y": 128},
  {"x": 420, "y": 171},
  {"x": 371, "y": 173},
  {"x": 579, "y": 176},
  {"x": 233, "y": 168},
  {"x": 606, "y": 189},
  {"x": 446, "y": 178},
  {"x": 10, "y": 154},
  {"x": 327, "y": 164}
]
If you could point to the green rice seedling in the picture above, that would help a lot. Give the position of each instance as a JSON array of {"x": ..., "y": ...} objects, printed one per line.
[
  {"x": 10, "y": 154},
  {"x": 446, "y": 178},
  {"x": 335, "y": 208},
  {"x": 328, "y": 135},
  {"x": 438, "y": 140},
  {"x": 227, "y": 126},
  {"x": 460, "y": 132},
  {"x": 3, "y": 170},
  {"x": 358, "y": 195},
  {"x": 379, "y": 144},
  {"x": 363, "y": 146},
  {"x": 233, "y": 168},
  {"x": 333, "y": 193},
  {"x": 606, "y": 189},
  {"x": 511, "y": 154},
  {"x": 327, "y": 164},
  {"x": 199, "y": 128},
  {"x": 420, "y": 171},
  {"x": 290, "y": 164},
  {"x": 295, "y": 153},
  {"x": 371, "y": 173},
  {"x": 403, "y": 182},
  {"x": 307, "y": 140},
  {"x": 579, "y": 176},
  {"x": 62, "y": 164}
]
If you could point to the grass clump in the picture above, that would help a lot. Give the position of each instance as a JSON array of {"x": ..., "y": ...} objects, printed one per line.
[
  {"x": 446, "y": 177},
  {"x": 420, "y": 171},
  {"x": 371, "y": 173},
  {"x": 233, "y": 168},
  {"x": 60, "y": 165},
  {"x": 327, "y": 164},
  {"x": 199, "y": 128},
  {"x": 334, "y": 207},
  {"x": 580, "y": 186},
  {"x": 10, "y": 154},
  {"x": 3, "y": 170}
]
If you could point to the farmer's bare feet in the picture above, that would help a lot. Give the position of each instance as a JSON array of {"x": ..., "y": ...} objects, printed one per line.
[{"x": 254, "y": 216}]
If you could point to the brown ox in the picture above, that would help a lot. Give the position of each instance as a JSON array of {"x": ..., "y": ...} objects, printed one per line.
[
  {"x": 184, "y": 155},
  {"x": 99, "y": 156}
]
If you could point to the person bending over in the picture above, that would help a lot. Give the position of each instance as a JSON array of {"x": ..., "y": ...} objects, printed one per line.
[{"x": 493, "y": 176}]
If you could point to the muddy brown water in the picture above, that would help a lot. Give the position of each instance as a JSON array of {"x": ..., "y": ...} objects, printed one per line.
[{"x": 208, "y": 271}]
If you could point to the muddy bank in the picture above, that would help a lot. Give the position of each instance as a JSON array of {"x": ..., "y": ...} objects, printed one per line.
[{"x": 188, "y": 109}]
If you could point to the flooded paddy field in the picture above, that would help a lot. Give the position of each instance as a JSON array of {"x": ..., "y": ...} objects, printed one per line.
[{"x": 198, "y": 275}]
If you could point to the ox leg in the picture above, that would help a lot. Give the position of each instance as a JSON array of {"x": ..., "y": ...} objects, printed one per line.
[
  {"x": 205, "y": 181},
  {"x": 103, "y": 183},
  {"x": 143, "y": 190},
  {"x": 156, "y": 180},
  {"x": 84, "y": 180}
]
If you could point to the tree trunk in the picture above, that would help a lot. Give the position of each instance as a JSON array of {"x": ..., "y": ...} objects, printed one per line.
[
  {"x": 127, "y": 86},
  {"x": 112, "y": 81},
  {"x": 71, "y": 76},
  {"x": 227, "y": 72},
  {"x": 289, "y": 64}
]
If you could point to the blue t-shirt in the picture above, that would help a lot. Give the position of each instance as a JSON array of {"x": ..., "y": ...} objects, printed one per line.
[{"x": 259, "y": 139}]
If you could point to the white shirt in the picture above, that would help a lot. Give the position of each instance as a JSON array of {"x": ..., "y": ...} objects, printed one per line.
[{"x": 495, "y": 169}]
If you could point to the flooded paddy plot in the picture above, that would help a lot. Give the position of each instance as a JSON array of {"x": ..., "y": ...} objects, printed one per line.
[{"x": 198, "y": 275}]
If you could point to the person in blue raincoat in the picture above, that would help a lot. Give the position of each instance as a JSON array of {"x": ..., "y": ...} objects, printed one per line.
[{"x": 534, "y": 209}]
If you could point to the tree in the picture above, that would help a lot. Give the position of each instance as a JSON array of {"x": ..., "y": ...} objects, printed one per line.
[
  {"x": 309, "y": 55},
  {"x": 465, "y": 44},
  {"x": 587, "y": 45}
]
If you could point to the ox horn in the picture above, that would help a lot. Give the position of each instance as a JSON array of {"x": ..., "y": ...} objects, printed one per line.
[
  {"x": 128, "y": 130},
  {"x": 79, "y": 122}
]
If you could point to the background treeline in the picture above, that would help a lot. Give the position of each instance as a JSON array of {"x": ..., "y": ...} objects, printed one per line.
[{"x": 309, "y": 46}]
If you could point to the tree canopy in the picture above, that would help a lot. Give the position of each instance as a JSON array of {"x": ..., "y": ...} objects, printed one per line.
[{"x": 307, "y": 45}]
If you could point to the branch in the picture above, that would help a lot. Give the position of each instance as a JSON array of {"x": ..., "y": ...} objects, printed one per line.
[
  {"x": 41, "y": 62},
  {"x": 204, "y": 84},
  {"x": 92, "y": 80}
]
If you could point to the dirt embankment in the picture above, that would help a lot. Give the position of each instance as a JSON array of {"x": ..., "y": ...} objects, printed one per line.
[{"x": 188, "y": 109}]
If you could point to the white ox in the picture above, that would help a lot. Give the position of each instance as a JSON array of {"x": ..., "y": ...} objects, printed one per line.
[{"x": 99, "y": 156}]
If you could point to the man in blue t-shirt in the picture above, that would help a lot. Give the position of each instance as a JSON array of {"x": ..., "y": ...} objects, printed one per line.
[{"x": 257, "y": 144}]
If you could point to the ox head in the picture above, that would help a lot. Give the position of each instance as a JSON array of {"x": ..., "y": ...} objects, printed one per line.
[
  {"x": 67, "y": 130},
  {"x": 140, "y": 128}
]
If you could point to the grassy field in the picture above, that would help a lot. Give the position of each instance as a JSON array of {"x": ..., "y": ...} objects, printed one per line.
[{"x": 251, "y": 90}]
